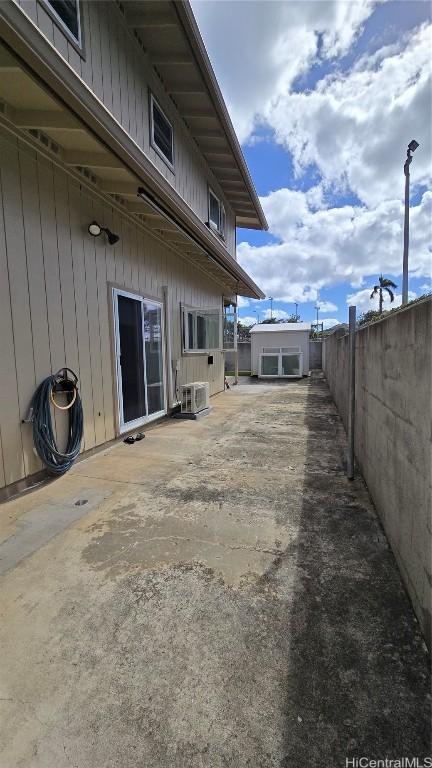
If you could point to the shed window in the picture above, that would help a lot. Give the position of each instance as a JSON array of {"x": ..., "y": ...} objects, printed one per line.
[
  {"x": 216, "y": 213},
  {"x": 67, "y": 13},
  {"x": 202, "y": 329},
  {"x": 287, "y": 350},
  {"x": 161, "y": 133}
]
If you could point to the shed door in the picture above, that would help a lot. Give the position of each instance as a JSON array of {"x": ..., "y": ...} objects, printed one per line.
[{"x": 281, "y": 362}]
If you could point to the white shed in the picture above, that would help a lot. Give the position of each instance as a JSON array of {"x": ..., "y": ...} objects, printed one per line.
[{"x": 280, "y": 350}]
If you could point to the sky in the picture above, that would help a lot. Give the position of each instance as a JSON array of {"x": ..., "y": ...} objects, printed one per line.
[{"x": 325, "y": 97}]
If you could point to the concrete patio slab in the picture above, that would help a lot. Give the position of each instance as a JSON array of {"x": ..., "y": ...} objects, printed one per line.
[{"x": 215, "y": 595}]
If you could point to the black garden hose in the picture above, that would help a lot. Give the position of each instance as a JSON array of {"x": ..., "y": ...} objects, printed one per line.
[{"x": 43, "y": 434}]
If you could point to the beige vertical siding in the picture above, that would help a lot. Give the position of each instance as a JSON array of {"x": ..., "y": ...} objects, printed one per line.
[
  {"x": 55, "y": 298},
  {"x": 118, "y": 71}
]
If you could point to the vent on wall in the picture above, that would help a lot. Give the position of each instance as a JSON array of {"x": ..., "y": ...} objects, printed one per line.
[
  {"x": 120, "y": 200},
  {"x": 87, "y": 174},
  {"x": 45, "y": 140}
]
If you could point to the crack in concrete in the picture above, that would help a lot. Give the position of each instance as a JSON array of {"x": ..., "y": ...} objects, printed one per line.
[
  {"x": 43, "y": 723},
  {"x": 30, "y": 704}
]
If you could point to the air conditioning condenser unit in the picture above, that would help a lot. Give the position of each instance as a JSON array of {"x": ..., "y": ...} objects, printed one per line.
[{"x": 194, "y": 397}]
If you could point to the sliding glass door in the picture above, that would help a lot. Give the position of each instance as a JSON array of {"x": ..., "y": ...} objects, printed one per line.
[
  {"x": 153, "y": 357},
  {"x": 139, "y": 359}
]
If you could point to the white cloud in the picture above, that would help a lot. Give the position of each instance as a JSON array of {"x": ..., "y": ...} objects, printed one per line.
[
  {"x": 355, "y": 126},
  {"x": 259, "y": 49},
  {"x": 315, "y": 197},
  {"x": 329, "y": 322},
  {"x": 327, "y": 306},
  {"x": 279, "y": 314},
  {"x": 335, "y": 245},
  {"x": 364, "y": 303},
  {"x": 248, "y": 320},
  {"x": 352, "y": 127},
  {"x": 242, "y": 302}
]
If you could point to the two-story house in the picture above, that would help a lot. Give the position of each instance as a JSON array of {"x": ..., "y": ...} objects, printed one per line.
[{"x": 122, "y": 183}]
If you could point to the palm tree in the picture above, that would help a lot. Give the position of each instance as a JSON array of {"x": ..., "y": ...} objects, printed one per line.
[{"x": 384, "y": 284}]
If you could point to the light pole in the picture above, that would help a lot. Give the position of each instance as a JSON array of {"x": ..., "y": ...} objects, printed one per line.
[
  {"x": 412, "y": 146},
  {"x": 296, "y": 312},
  {"x": 317, "y": 311},
  {"x": 257, "y": 314},
  {"x": 271, "y": 307}
]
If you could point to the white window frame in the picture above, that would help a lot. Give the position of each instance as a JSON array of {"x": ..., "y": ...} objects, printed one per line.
[
  {"x": 233, "y": 317},
  {"x": 220, "y": 226},
  {"x": 276, "y": 350},
  {"x": 279, "y": 354},
  {"x": 76, "y": 42},
  {"x": 167, "y": 161},
  {"x": 185, "y": 325},
  {"x": 131, "y": 425}
]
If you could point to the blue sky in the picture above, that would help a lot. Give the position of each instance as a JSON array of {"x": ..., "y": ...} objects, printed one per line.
[{"x": 325, "y": 97}]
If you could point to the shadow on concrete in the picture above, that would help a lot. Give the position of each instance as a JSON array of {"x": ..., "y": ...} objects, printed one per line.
[
  {"x": 358, "y": 674},
  {"x": 231, "y": 604},
  {"x": 242, "y": 380}
]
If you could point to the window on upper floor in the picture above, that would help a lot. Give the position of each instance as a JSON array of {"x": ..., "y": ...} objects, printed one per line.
[
  {"x": 161, "y": 133},
  {"x": 67, "y": 14},
  {"x": 216, "y": 214}
]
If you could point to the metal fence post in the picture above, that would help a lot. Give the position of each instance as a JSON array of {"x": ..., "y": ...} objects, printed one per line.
[
  {"x": 351, "y": 393},
  {"x": 236, "y": 360}
]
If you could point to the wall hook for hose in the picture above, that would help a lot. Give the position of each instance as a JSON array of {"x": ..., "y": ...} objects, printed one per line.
[
  {"x": 62, "y": 384},
  {"x": 62, "y": 374}
]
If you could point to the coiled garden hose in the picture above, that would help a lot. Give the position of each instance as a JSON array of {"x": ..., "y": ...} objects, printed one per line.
[{"x": 44, "y": 440}]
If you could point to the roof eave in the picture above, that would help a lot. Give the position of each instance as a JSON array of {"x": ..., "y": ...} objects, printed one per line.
[
  {"x": 191, "y": 30},
  {"x": 42, "y": 60}
]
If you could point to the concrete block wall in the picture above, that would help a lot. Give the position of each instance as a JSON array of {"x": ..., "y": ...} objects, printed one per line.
[
  {"x": 393, "y": 435},
  {"x": 315, "y": 355},
  {"x": 244, "y": 353}
]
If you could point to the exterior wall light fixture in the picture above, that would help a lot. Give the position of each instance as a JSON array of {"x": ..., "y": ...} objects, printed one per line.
[{"x": 95, "y": 229}]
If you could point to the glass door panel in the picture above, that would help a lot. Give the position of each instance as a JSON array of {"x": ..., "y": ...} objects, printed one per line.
[
  {"x": 291, "y": 365},
  {"x": 270, "y": 365},
  {"x": 131, "y": 359},
  {"x": 154, "y": 356}
]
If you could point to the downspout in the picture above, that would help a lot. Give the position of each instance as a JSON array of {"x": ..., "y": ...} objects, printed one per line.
[
  {"x": 172, "y": 400},
  {"x": 236, "y": 361}
]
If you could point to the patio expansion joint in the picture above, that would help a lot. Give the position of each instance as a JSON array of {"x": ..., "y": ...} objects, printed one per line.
[
  {"x": 109, "y": 480},
  {"x": 264, "y": 550}
]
